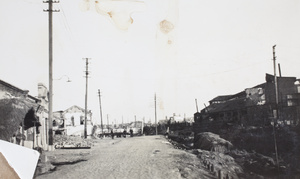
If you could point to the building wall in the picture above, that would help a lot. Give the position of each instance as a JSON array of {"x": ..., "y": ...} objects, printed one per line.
[
  {"x": 286, "y": 87},
  {"x": 73, "y": 119},
  {"x": 74, "y": 116},
  {"x": 258, "y": 115}
]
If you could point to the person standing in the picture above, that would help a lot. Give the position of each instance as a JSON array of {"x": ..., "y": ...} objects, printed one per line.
[
  {"x": 131, "y": 132},
  {"x": 112, "y": 134},
  {"x": 124, "y": 133}
]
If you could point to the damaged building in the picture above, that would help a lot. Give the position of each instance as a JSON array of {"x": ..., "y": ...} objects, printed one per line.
[
  {"x": 23, "y": 117},
  {"x": 254, "y": 106}
]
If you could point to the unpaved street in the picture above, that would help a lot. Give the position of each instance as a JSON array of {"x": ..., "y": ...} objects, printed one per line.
[{"x": 137, "y": 157}]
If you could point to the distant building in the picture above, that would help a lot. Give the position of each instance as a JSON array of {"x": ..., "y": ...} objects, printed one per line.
[
  {"x": 136, "y": 124},
  {"x": 163, "y": 121},
  {"x": 176, "y": 119},
  {"x": 71, "y": 121},
  {"x": 253, "y": 106}
]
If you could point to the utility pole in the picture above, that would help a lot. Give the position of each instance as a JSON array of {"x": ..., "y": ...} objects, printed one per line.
[
  {"x": 107, "y": 123},
  {"x": 275, "y": 76},
  {"x": 143, "y": 123},
  {"x": 134, "y": 120},
  {"x": 100, "y": 110},
  {"x": 196, "y": 105},
  {"x": 86, "y": 95},
  {"x": 276, "y": 105},
  {"x": 279, "y": 69},
  {"x": 50, "y": 96},
  {"x": 155, "y": 114}
]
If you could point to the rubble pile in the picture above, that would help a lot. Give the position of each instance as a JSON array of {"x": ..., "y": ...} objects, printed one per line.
[
  {"x": 220, "y": 154},
  {"x": 252, "y": 147},
  {"x": 214, "y": 153},
  {"x": 219, "y": 163},
  {"x": 71, "y": 141},
  {"x": 257, "y": 163}
]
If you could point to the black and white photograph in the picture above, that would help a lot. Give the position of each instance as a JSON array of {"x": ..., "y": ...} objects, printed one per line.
[{"x": 150, "y": 89}]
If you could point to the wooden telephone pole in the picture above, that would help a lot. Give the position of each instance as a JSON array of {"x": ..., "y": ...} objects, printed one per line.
[
  {"x": 107, "y": 122},
  {"x": 50, "y": 96},
  {"x": 86, "y": 95},
  {"x": 276, "y": 105},
  {"x": 100, "y": 110},
  {"x": 155, "y": 114},
  {"x": 196, "y": 105},
  {"x": 275, "y": 76}
]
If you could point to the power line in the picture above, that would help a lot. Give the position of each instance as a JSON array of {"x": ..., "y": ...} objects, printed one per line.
[
  {"x": 68, "y": 30},
  {"x": 66, "y": 24}
]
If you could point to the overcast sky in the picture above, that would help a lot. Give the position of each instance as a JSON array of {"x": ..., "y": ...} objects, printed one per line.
[{"x": 181, "y": 50}]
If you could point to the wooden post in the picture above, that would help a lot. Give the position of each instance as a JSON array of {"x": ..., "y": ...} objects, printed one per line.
[
  {"x": 276, "y": 108},
  {"x": 22, "y": 133},
  {"x": 220, "y": 176},
  {"x": 33, "y": 135},
  {"x": 101, "y": 111},
  {"x": 155, "y": 114}
]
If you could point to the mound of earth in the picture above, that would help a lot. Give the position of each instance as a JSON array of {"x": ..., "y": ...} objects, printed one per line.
[{"x": 212, "y": 142}]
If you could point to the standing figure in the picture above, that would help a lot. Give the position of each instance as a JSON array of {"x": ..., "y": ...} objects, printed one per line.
[
  {"x": 131, "y": 132},
  {"x": 112, "y": 134},
  {"x": 124, "y": 133}
]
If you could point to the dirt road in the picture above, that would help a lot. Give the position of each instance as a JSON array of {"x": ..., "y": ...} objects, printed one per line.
[{"x": 132, "y": 158}]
